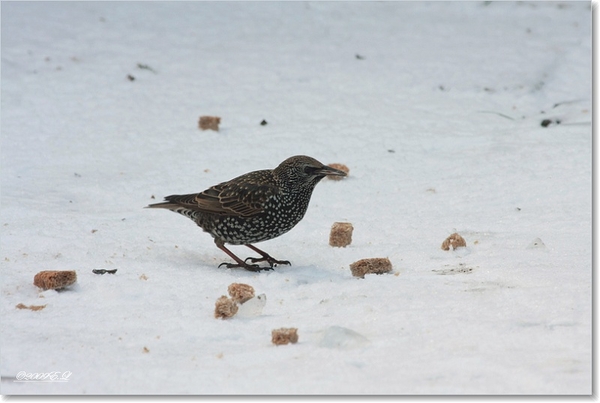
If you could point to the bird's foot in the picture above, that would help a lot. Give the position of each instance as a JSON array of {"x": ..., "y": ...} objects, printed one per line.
[
  {"x": 272, "y": 262},
  {"x": 249, "y": 267},
  {"x": 265, "y": 257}
]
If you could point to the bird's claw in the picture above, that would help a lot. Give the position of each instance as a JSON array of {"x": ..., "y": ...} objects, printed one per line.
[
  {"x": 272, "y": 262},
  {"x": 249, "y": 267}
]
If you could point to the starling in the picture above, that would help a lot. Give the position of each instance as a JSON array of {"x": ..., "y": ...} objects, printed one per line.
[{"x": 253, "y": 207}]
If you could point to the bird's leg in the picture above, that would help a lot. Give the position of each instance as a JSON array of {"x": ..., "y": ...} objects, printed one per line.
[
  {"x": 240, "y": 262},
  {"x": 265, "y": 257}
]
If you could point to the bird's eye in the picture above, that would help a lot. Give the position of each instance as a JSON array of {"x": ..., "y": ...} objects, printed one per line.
[{"x": 309, "y": 170}]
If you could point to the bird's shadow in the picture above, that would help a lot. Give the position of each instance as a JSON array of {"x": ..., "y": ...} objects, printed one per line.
[
  {"x": 309, "y": 274},
  {"x": 301, "y": 274}
]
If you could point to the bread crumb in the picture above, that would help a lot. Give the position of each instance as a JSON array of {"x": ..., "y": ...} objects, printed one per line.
[
  {"x": 209, "y": 123},
  {"x": 284, "y": 335},
  {"x": 341, "y": 167},
  {"x": 453, "y": 241},
  {"x": 341, "y": 234},
  {"x": 54, "y": 279},
  {"x": 240, "y": 293},
  {"x": 372, "y": 265},
  {"x": 32, "y": 307},
  {"x": 225, "y": 307}
]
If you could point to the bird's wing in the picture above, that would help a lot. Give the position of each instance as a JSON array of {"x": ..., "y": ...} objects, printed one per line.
[{"x": 241, "y": 196}]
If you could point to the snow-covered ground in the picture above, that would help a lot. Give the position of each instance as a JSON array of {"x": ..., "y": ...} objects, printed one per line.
[{"x": 436, "y": 108}]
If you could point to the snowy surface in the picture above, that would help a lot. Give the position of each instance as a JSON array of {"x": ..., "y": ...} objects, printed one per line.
[{"x": 439, "y": 120}]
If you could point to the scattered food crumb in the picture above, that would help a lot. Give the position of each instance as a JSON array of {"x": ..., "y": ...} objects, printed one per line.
[
  {"x": 54, "y": 279},
  {"x": 145, "y": 350},
  {"x": 341, "y": 234},
  {"x": 372, "y": 265},
  {"x": 104, "y": 271},
  {"x": 94, "y": 231},
  {"x": 240, "y": 293},
  {"x": 143, "y": 277},
  {"x": 285, "y": 335},
  {"x": 31, "y": 307},
  {"x": 209, "y": 122},
  {"x": 548, "y": 122},
  {"x": 453, "y": 241},
  {"x": 225, "y": 307},
  {"x": 341, "y": 167},
  {"x": 220, "y": 355},
  {"x": 145, "y": 67}
]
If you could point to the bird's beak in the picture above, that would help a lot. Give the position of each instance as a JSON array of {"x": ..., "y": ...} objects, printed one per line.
[{"x": 329, "y": 171}]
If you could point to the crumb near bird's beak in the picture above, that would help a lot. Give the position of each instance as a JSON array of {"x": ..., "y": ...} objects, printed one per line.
[
  {"x": 335, "y": 171},
  {"x": 329, "y": 171}
]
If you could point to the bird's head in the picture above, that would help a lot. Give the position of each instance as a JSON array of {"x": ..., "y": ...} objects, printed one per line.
[{"x": 304, "y": 171}]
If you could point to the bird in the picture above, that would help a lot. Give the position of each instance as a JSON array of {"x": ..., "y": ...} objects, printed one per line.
[{"x": 254, "y": 207}]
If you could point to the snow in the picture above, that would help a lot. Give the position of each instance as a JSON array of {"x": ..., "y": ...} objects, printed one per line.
[{"x": 436, "y": 108}]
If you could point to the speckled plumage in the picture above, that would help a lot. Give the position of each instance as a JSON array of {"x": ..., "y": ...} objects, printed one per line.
[{"x": 253, "y": 207}]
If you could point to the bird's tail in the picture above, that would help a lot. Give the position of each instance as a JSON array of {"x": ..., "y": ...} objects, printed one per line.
[
  {"x": 183, "y": 204},
  {"x": 167, "y": 205},
  {"x": 174, "y": 202}
]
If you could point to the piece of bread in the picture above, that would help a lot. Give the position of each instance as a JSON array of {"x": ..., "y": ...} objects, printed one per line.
[
  {"x": 209, "y": 123},
  {"x": 454, "y": 241},
  {"x": 54, "y": 279},
  {"x": 240, "y": 293},
  {"x": 340, "y": 235},
  {"x": 372, "y": 265},
  {"x": 225, "y": 307},
  {"x": 284, "y": 335}
]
